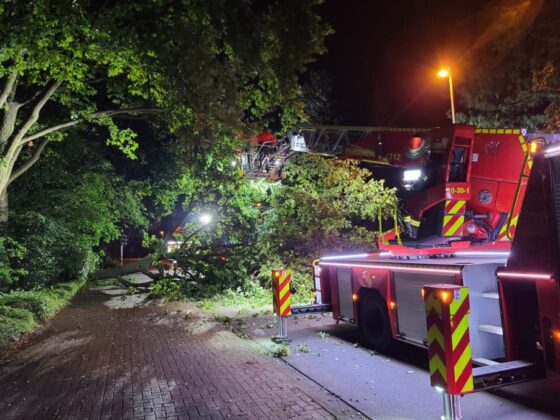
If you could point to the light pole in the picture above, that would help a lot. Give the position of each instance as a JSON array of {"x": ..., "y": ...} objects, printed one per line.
[
  {"x": 443, "y": 73},
  {"x": 123, "y": 242},
  {"x": 204, "y": 219}
]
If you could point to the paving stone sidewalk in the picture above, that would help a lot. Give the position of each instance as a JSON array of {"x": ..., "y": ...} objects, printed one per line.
[{"x": 97, "y": 362}]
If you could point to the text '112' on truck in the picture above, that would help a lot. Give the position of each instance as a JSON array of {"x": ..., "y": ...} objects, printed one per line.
[{"x": 481, "y": 209}]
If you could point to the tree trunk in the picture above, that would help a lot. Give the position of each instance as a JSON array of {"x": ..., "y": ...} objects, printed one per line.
[{"x": 4, "y": 211}]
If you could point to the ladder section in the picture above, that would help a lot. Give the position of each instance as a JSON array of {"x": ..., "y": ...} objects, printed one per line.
[{"x": 267, "y": 159}]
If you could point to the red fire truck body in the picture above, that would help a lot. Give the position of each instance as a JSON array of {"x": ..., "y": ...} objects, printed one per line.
[
  {"x": 514, "y": 296},
  {"x": 463, "y": 182},
  {"x": 455, "y": 183}
]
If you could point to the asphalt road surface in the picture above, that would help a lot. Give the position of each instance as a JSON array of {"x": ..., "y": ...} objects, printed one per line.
[{"x": 394, "y": 385}]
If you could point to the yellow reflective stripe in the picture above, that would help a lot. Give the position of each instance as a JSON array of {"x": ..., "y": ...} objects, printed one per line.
[
  {"x": 415, "y": 223},
  {"x": 285, "y": 306},
  {"x": 455, "y": 304},
  {"x": 437, "y": 365},
  {"x": 462, "y": 362},
  {"x": 523, "y": 144},
  {"x": 458, "y": 224},
  {"x": 434, "y": 334},
  {"x": 504, "y": 227},
  {"x": 458, "y": 206},
  {"x": 497, "y": 131},
  {"x": 469, "y": 385},
  {"x": 433, "y": 303},
  {"x": 285, "y": 290},
  {"x": 462, "y": 328}
]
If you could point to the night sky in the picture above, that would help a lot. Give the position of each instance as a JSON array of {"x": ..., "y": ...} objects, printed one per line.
[{"x": 385, "y": 53}]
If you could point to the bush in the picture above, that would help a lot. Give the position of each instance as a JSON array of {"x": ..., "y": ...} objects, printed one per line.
[
  {"x": 14, "y": 322},
  {"x": 11, "y": 265},
  {"x": 166, "y": 288},
  {"x": 21, "y": 310},
  {"x": 44, "y": 303},
  {"x": 52, "y": 251}
]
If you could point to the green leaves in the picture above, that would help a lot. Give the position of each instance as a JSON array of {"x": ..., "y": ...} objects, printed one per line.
[
  {"x": 515, "y": 79},
  {"x": 325, "y": 205}
]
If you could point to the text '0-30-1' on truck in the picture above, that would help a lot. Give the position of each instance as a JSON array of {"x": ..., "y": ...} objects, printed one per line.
[{"x": 485, "y": 216}]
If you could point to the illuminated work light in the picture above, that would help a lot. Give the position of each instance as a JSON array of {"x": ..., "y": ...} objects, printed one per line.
[{"x": 412, "y": 175}]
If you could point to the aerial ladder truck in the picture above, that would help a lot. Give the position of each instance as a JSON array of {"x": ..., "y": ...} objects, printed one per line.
[
  {"x": 514, "y": 296},
  {"x": 495, "y": 186},
  {"x": 458, "y": 185}
]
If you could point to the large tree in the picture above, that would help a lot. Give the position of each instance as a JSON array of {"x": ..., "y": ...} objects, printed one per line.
[
  {"x": 208, "y": 66},
  {"x": 512, "y": 68}
]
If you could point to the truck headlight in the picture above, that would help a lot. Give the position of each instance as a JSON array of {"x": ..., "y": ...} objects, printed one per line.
[{"x": 411, "y": 175}]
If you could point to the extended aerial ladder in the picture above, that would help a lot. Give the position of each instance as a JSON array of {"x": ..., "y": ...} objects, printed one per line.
[
  {"x": 265, "y": 160},
  {"x": 455, "y": 183}
]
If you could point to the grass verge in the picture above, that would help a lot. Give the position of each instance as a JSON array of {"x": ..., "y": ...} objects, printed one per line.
[
  {"x": 111, "y": 281},
  {"x": 21, "y": 311}
]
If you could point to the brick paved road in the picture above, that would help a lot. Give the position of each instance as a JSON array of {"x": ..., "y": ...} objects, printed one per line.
[{"x": 146, "y": 362}]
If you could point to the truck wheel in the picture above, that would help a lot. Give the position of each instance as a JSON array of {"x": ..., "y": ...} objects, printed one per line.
[{"x": 374, "y": 322}]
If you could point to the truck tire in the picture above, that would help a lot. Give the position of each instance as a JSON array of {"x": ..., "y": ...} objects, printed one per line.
[{"x": 374, "y": 322}]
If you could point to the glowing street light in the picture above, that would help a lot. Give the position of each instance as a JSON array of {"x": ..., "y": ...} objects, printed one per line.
[
  {"x": 205, "y": 218},
  {"x": 443, "y": 73}
]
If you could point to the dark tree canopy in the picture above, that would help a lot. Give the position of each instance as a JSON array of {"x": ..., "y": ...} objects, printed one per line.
[
  {"x": 210, "y": 67},
  {"x": 512, "y": 74}
]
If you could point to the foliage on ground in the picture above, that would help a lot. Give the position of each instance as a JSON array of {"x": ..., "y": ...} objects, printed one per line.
[
  {"x": 243, "y": 301},
  {"x": 167, "y": 289},
  {"x": 277, "y": 350},
  {"x": 321, "y": 206},
  {"x": 303, "y": 348},
  {"x": 111, "y": 281},
  {"x": 22, "y": 310}
]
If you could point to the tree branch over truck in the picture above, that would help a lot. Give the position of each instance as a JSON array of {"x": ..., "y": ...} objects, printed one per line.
[{"x": 200, "y": 67}]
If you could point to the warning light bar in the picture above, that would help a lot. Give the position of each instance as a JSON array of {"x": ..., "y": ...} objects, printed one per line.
[
  {"x": 398, "y": 268},
  {"x": 342, "y": 257},
  {"x": 517, "y": 275},
  {"x": 552, "y": 151},
  {"x": 348, "y": 257},
  {"x": 482, "y": 253}
]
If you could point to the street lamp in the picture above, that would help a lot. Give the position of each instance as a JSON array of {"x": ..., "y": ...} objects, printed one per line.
[
  {"x": 443, "y": 73},
  {"x": 205, "y": 218}
]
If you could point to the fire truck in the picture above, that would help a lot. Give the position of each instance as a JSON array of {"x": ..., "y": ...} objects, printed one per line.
[
  {"x": 455, "y": 183},
  {"x": 514, "y": 293},
  {"x": 466, "y": 194}
]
